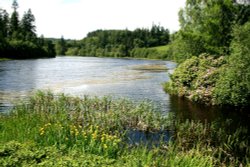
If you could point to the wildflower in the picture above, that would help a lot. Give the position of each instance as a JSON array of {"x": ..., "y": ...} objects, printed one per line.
[
  {"x": 94, "y": 135},
  {"x": 105, "y": 146},
  {"x": 41, "y": 131},
  {"x": 76, "y": 132}
]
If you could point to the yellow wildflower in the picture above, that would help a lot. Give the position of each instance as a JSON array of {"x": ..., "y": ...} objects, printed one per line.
[
  {"x": 76, "y": 132},
  {"x": 94, "y": 135},
  {"x": 105, "y": 146}
]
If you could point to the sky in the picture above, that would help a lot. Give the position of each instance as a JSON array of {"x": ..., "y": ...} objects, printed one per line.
[{"x": 73, "y": 19}]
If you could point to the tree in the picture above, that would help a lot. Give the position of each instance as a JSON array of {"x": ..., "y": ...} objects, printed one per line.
[
  {"x": 14, "y": 19},
  {"x": 18, "y": 39},
  {"x": 27, "y": 25},
  {"x": 233, "y": 86},
  {"x": 210, "y": 22},
  {"x": 61, "y": 47},
  {"x": 4, "y": 21}
]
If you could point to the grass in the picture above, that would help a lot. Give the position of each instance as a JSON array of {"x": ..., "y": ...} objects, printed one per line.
[
  {"x": 3, "y": 59},
  {"x": 161, "y": 48},
  {"x": 58, "y": 130}
]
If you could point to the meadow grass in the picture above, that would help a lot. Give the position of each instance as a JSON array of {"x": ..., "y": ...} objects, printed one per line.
[
  {"x": 161, "y": 48},
  {"x": 58, "y": 130}
]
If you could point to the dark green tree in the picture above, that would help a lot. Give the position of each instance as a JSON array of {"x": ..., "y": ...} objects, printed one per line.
[
  {"x": 4, "y": 21},
  {"x": 14, "y": 20},
  {"x": 27, "y": 25},
  {"x": 61, "y": 47}
]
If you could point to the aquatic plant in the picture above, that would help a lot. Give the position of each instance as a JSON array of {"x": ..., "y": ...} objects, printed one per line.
[{"x": 59, "y": 130}]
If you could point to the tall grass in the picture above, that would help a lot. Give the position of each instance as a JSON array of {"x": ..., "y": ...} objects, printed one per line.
[{"x": 58, "y": 130}]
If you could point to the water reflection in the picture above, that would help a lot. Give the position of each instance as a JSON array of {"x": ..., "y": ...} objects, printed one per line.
[
  {"x": 136, "y": 137},
  {"x": 185, "y": 109}
]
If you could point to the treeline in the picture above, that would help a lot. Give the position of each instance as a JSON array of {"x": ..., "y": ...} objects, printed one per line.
[
  {"x": 207, "y": 27},
  {"x": 18, "y": 37},
  {"x": 214, "y": 46},
  {"x": 114, "y": 43}
]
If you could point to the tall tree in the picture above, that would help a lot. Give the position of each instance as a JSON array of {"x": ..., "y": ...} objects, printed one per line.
[
  {"x": 14, "y": 19},
  {"x": 61, "y": 47},
  {"x": 208, "y": 24},
  {"x": 4, "y": 21},
  {"x": 27, "y": 25}
]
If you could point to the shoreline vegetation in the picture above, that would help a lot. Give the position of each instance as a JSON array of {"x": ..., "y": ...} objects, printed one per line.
[
  {"x": 216, "y": 80},
  {"x": 4, "y": 59},
  {"x": 59, "y": 130}
]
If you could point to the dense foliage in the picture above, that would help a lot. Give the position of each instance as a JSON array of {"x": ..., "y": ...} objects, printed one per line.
[
  {"x": 233, "y": 86},
  {"x": 206, "y": 27},
  {"x": 114, "y": 43},
  {"x": 18, "y": 37},
  {"x": 57, "y": 130},
  {"x": 219, "y": 29},
  {"x": 196, "y": 77}
]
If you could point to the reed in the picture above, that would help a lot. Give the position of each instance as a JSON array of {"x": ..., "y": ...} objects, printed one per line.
[{"x": 58, "y": 130}]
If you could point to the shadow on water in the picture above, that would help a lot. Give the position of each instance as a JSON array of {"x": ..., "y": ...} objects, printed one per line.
[
  {"x": 184, "y": 109},
  {"x": 227, "y": 117}
]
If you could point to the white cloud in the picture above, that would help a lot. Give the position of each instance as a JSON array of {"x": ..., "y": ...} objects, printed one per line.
[{"x": 75, "y": 18}]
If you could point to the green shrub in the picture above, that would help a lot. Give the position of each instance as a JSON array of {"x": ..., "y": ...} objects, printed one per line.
[
  {"x": 233, "y": 86},
  {"x": 195, "y": 78}
]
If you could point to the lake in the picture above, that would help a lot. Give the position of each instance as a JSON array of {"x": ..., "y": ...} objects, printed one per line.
[{"x": 78, "y": 76}]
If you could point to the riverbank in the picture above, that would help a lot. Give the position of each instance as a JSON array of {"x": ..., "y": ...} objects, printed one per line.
[
  {"x": 57, "y": 130},
  {"x": 4, "y": 59}
]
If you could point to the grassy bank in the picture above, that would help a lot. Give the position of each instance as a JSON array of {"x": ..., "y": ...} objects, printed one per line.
[
  {"x": 3, "y": 59},
  {"x": 157, "y": 53},
  {"x": 57, "y": 130}
]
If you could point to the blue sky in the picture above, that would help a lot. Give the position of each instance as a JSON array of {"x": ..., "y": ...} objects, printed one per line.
[{"x": 75, "y": 18}]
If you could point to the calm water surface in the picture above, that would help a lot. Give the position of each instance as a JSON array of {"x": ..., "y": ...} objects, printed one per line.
[{"x": 80, "y": 76}]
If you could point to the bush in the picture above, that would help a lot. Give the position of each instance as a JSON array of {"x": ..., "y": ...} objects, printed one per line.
[
  {"x": 233, "y": 85},
  {"x": 195, "y": 78}
]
